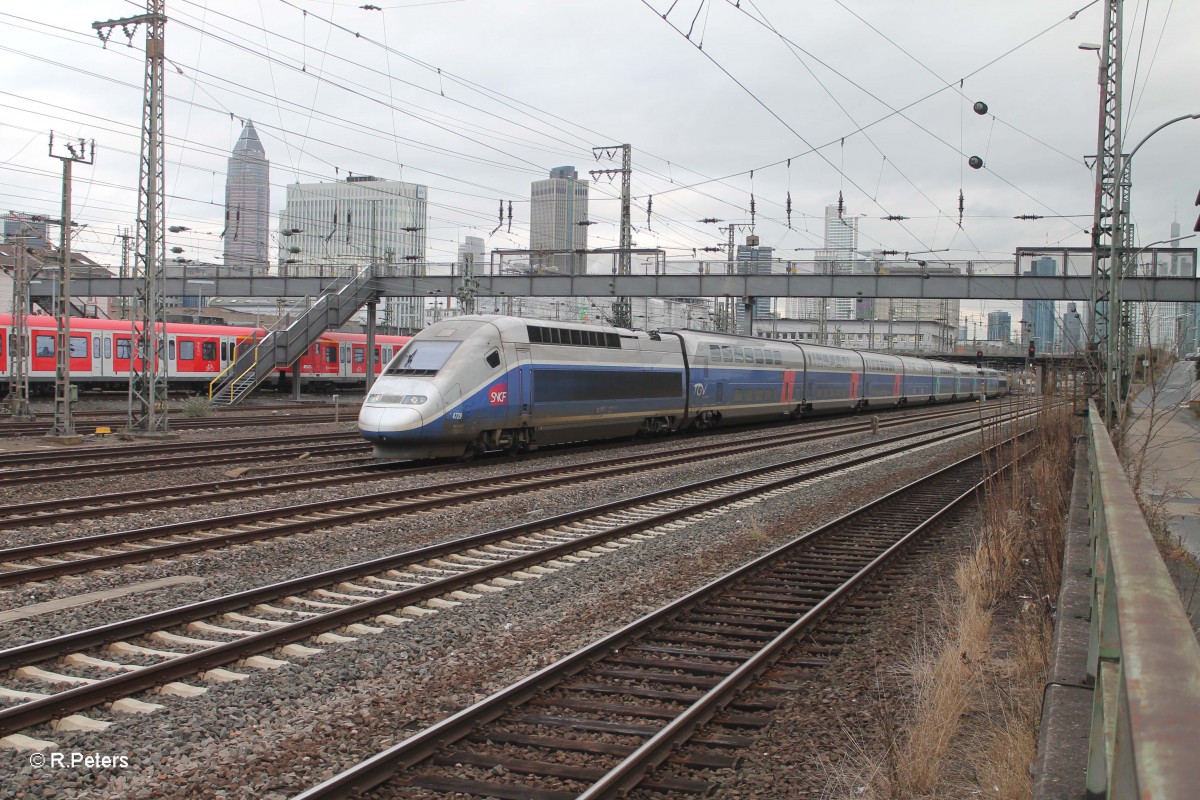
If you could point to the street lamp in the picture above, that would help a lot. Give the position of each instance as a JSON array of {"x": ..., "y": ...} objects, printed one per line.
[{"x": 1116, "y": 386}]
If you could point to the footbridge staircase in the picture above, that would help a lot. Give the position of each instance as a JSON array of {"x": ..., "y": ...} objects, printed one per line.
[{"x": 282, "y": 346}]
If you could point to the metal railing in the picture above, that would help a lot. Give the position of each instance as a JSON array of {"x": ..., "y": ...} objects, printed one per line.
[{"x": 1143, "y": 656}]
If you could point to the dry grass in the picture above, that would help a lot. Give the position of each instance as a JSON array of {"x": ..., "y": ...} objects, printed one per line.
[{"x": 973, "y": 683}]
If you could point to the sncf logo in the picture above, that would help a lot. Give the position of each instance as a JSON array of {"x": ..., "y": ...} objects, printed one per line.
[{"x": 498, "y": 394}]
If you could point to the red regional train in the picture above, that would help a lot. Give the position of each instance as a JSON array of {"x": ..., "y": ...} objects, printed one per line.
[{"x": 102, "y": 351}]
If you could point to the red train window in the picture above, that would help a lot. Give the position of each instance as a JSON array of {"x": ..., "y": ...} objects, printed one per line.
[
  {"x": 331, "y": 353},
  {"x": 208, "y": 350},
  {"x": 123, "y": 348},
  {"x": 79, "y": 346},
  {"x": 187, "y": 350}
]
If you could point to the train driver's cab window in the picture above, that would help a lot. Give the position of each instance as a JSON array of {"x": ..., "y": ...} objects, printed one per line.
[
  {"x": 493, "y": 359},
  {"x": 43, "y": 346},
  {"x": 79, "y": 346},
  {"x": 422, "y": 358}
]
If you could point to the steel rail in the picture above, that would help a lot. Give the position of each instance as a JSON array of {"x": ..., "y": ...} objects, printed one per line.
[
  {"x": 420, "y": 746},
  {"x": 405, "y": 500},
  {"x": 190, "y": 494},
  {"x": 33, "y": 712},
  {"x": 16, "y": 464}
]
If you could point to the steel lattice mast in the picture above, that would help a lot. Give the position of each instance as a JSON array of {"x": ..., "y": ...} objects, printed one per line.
[
  {"x": 148, "y": 373},
  {"x": 622, "y": 309},
  {"x": 1108, "y": 227}
]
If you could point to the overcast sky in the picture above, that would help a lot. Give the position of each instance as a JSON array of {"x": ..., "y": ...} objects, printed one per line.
[{"x": 477, "y": 98}]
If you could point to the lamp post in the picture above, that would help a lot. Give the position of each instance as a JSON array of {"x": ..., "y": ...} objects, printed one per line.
[{"x": 1120, "y": 258}]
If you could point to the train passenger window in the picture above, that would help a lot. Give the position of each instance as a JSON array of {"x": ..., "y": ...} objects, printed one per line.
[
  {"x": 331, "y": 353},
  {"x": 95, "y": 345},
  {"x": 123, "y": 348},
  {"x": 171, "y": 350},
  {"x": 360, "y": 355},
  {"x": 493, "y": 359},
  {"x": 224, "y": 351},
  {"x": 737, "y": 355},
  {"x": 107, "y": 347},
  {"x": 208, "y": 350},
  {"x": 726, "y": 353},
  {"x": 758, "y": 355},
  {"x": 79, "y": 347},
  {"x": 612, "y": 340},
  {"x": 187, "y": 350},
  {"x": 714, "y": 353}
]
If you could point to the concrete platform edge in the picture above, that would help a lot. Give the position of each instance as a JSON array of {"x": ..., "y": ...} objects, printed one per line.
[{"x": 1061, "y": 769}]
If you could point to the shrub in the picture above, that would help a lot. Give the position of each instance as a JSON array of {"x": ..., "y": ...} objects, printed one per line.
[{"x": 197, "y": 407}]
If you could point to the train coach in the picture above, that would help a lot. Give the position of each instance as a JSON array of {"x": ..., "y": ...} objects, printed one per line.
[
  {"x": 102, "y": 353},
  {"x": 471, "y": 384}
]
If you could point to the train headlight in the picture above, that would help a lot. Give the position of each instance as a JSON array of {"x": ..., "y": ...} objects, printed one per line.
[{"x": 414, "y": 399}]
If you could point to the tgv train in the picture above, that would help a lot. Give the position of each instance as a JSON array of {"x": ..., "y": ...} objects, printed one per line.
[
  {"x": 101, "y": 351},
  {"x": 471, "y": 384}
]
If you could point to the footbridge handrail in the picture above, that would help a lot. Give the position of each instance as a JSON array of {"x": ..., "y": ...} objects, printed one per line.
[{"x": 1143, "y": 655}]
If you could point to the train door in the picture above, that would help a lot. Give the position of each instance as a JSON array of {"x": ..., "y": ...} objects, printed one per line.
[
  {"x": 344, "y": 369},
  {"x": 77, "y": 350},
  {"x": 97, "y": 356},
  {"x": 106, "y": 356},
  {"x": 520, "y": 389}
]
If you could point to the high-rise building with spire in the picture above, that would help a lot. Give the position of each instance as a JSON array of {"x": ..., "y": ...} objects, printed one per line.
[{"x": 247, "y": 203}]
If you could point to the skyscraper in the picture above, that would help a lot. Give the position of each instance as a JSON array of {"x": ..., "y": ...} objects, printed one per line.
[
  {"x": 1039, "y": 314},
  {"x": 841, "y": 243},
  {"x": 473, "y": 246},
  {"x": 335, "y": 229},
  {"x": 247, "y": 203},
  {"x": 1072, "y": 331},
  {"x": 754, "y": 259},
  {"x": 999, "y": 326},
  {"x": 558, "y": 208}
]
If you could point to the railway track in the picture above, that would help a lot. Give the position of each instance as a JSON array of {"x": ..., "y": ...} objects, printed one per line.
[
  {"x": 83, "y": 422},
  {"x": 161, "y": 650},
  {"x": 662, "y": 703},
  {"x": 38, "y": 562},
  {"x": 49, "y": 512},
  {"x": 104, "y": 462}
]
